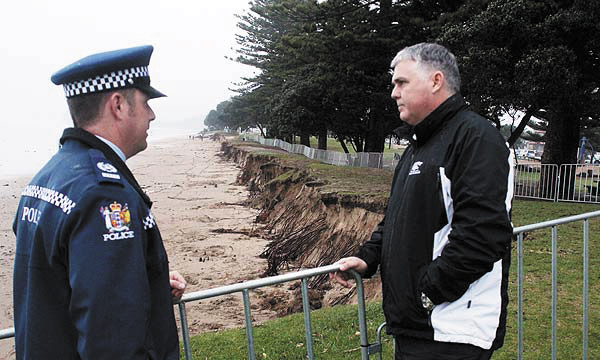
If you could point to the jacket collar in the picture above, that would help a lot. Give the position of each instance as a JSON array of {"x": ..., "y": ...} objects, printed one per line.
[
  {"x": 434, "y": 121},
  {"x": 92, "y": 141}
]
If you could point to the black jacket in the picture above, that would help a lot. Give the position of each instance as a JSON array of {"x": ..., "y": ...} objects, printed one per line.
[
  {"x": 447, "y": 231},
  {"x": 91, "y": 277}
]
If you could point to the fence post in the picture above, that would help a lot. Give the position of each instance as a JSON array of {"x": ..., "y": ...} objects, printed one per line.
[
  {"x": 586, "y": 286},
  {"x": 557, "y": 187},
  {"x": 362, "y": 316},
  {"x": 307, "y": 322},
  {"x": 249, "y": 331},
  {"x": 520, "y": 282},
  {"x": 185, "y": 333},
  {"x": 554, "y": 289},
  {"x": 380, "y": 342}
]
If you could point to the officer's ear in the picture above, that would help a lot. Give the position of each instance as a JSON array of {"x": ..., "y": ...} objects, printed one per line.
[{"x": 117, "y": 103}]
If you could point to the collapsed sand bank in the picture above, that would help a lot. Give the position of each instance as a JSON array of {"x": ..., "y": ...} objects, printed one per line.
[{"x": 201, "y": 194}]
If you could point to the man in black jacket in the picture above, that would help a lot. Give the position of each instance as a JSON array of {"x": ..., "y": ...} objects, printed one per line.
[
  {"x": 443, "y": 248},
  {"x": 91, "y": 278}
]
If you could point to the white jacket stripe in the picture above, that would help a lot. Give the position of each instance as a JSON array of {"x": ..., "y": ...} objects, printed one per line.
[{"x": 475, "y": 317}]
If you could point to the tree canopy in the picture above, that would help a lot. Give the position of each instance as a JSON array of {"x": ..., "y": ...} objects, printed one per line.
[
  {"x": 540, "y": 58},
  {"x": 324, "y": 66}
]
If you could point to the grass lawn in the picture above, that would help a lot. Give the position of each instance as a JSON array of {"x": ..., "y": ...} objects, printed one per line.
[
  {"x": 335, "y": 329},
  {"x": 335, "y": 336}
]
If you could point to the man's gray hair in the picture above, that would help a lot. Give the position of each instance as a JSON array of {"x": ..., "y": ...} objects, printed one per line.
[{"x": 436, "y": 57}]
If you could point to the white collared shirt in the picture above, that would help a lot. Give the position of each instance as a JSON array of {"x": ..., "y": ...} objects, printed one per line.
[{"x": 114, "y": 147}]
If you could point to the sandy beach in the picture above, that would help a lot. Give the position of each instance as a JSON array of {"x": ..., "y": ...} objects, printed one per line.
[{"x": 199, "y": 211}]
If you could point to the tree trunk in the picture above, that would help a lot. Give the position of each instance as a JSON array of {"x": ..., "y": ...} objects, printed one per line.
[
  {"x": 375, "y": 136},
  {"x": 262, "y": 132},
  {"x": 305, "y": 139},
  {"x": 561, "y": 141},
  {"x": 358, "y": 144},
  {"x": 514, "y": 136},
  {"x": 344, "y": 146},
  {"x": 322, "y": 139}
]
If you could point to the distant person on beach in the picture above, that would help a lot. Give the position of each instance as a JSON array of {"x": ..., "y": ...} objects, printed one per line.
[
  {"x": 443, "y": 247},
  {"x": 91, "y": 276}
]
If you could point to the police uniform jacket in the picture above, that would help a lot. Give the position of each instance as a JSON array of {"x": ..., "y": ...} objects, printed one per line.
[
  {"x": 91, "y": 277},
  {"x": 446, "y": 232}
]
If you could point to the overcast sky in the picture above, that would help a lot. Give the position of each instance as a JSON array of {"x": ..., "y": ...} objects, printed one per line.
[{"x": 191, "y": 39}]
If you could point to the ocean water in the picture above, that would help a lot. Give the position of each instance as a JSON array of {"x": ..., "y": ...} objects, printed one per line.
[{"x": 25, "y": 151}]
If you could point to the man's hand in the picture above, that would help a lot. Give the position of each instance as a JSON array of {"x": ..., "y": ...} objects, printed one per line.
[
  {"x": 178, "y": 284},
  {"x": 346, "y": 264}
]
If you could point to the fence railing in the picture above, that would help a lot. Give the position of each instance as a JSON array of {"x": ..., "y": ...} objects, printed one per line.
[
  {"x": 570, "y": 182},
  {"x": 520, "y": 231},
  {"x": 368, "y": 349},
  {"x": 361, "y": 159},
  {"x": 536, "y": 181},
  {"x": 7, "y": 333}
]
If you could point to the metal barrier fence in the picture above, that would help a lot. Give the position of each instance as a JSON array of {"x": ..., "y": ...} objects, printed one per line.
[
  {"x": 570, "y": 182},
  {"x": 7, "y": 333},
  {"x": 361, "y": 159},
  {"x": 369, "y": 349},
  {"x": 520, "y": 231},
  {"x": 578, "y": 183},
  {"x": 536, "y": 181},
  {"x": 366, "y": 348}
]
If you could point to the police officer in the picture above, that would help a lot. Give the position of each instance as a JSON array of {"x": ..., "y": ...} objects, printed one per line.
[{"x": 91, "y": 277}]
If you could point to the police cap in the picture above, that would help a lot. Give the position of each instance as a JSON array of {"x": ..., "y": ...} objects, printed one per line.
[{"x": 118, "y": 69}]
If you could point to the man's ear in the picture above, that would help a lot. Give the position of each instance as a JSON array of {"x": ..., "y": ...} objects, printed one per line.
[
  {"x": 438, "y": 80},
  {"x": 117, "y": 104}
]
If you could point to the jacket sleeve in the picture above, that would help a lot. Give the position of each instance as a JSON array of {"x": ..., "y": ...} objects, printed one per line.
[
  {"x": 370, "y": 252},
  {"x": 480, "y": 174},
  {"x": 110, "y": 300}
]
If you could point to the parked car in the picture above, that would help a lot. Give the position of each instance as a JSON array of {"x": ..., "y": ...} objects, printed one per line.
[{"x": 594, "y": 161}]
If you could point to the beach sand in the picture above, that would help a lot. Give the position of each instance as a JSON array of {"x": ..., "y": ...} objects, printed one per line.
[{"x": 194, "y": 194}]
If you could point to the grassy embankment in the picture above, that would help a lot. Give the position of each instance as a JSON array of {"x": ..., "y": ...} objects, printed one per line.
[{"x": 335, "y": 329}]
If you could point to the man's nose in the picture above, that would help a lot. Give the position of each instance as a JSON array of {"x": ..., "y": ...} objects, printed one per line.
[{"x": 152, "y": 115}]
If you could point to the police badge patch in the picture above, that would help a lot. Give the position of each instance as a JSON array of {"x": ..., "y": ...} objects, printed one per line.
[
  {"x": 108, "y": 170},
  {"x": 117, "y": 219},
  {"x": 106, "y": 167}
]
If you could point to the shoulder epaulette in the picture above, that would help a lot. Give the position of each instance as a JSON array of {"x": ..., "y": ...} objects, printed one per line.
[{"x": 105, "y": 171}]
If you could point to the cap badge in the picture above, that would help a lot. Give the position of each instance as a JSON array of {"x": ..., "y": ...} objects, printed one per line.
[{"x": 106, "y": 167}]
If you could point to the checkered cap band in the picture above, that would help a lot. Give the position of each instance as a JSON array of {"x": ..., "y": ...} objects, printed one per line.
[{"x": 114, "y": 80}]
